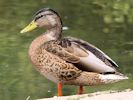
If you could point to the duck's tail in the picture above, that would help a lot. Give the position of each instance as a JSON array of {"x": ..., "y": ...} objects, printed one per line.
[
  {"x": 90, "y": 78},
  {"x": 111, "y": 78}
]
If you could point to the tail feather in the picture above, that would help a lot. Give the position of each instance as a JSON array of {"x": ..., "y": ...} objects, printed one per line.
[
  {"x": 111, "y": 78},
  {"x": 90, "y": 78}
]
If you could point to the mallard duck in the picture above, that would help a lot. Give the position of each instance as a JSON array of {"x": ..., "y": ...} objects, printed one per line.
[{"x": 68, "y": 60}]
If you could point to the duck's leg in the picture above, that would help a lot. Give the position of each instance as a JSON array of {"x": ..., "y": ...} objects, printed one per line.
[
  {"x": 60, "y": 89},
  {"x": 80, "y": 90}
]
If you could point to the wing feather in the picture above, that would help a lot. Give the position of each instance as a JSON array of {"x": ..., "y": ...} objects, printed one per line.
[
  {"x": 97, "y": 52},
  {"x": 83, "y": 55}
]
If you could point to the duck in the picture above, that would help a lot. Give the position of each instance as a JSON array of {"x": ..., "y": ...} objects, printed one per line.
[{"x": 68, "y": 60}]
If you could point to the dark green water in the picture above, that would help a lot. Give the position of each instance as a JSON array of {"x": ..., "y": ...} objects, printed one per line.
[{"x": 108, "y": 25}]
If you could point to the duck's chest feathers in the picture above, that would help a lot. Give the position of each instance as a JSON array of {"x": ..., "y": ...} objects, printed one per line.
[{"x": 46, "y": 63}]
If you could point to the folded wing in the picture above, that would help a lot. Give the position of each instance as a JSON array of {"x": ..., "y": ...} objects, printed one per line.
[{"x": 82, "y": 54}]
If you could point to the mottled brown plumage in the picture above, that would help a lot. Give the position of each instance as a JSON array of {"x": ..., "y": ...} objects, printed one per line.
[
  {"x": 68, "y": 60},
  {"x": 54, "y": 67}
]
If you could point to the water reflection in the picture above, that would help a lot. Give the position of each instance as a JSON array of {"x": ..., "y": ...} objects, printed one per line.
[{"x": 18, "y": 78}]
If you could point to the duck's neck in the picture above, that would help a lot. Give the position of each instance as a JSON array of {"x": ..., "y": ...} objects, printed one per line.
[
  {"x": 51, "y": 34},
  {"x": 55, "y": 32}
]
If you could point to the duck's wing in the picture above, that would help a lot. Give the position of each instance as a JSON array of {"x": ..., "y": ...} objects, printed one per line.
[
  {"x": 97, "y": 52},
  {"x": 62, "y": 49},
  {"x": 83, "y": 55}
]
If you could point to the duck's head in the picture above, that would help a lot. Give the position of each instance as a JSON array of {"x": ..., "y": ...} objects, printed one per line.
[{"x": 46, "y": 18}]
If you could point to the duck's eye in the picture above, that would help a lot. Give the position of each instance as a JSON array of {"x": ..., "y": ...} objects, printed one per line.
[
  {"x": 41, "y": 16},
  {"x": 38, "y": 17}
]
